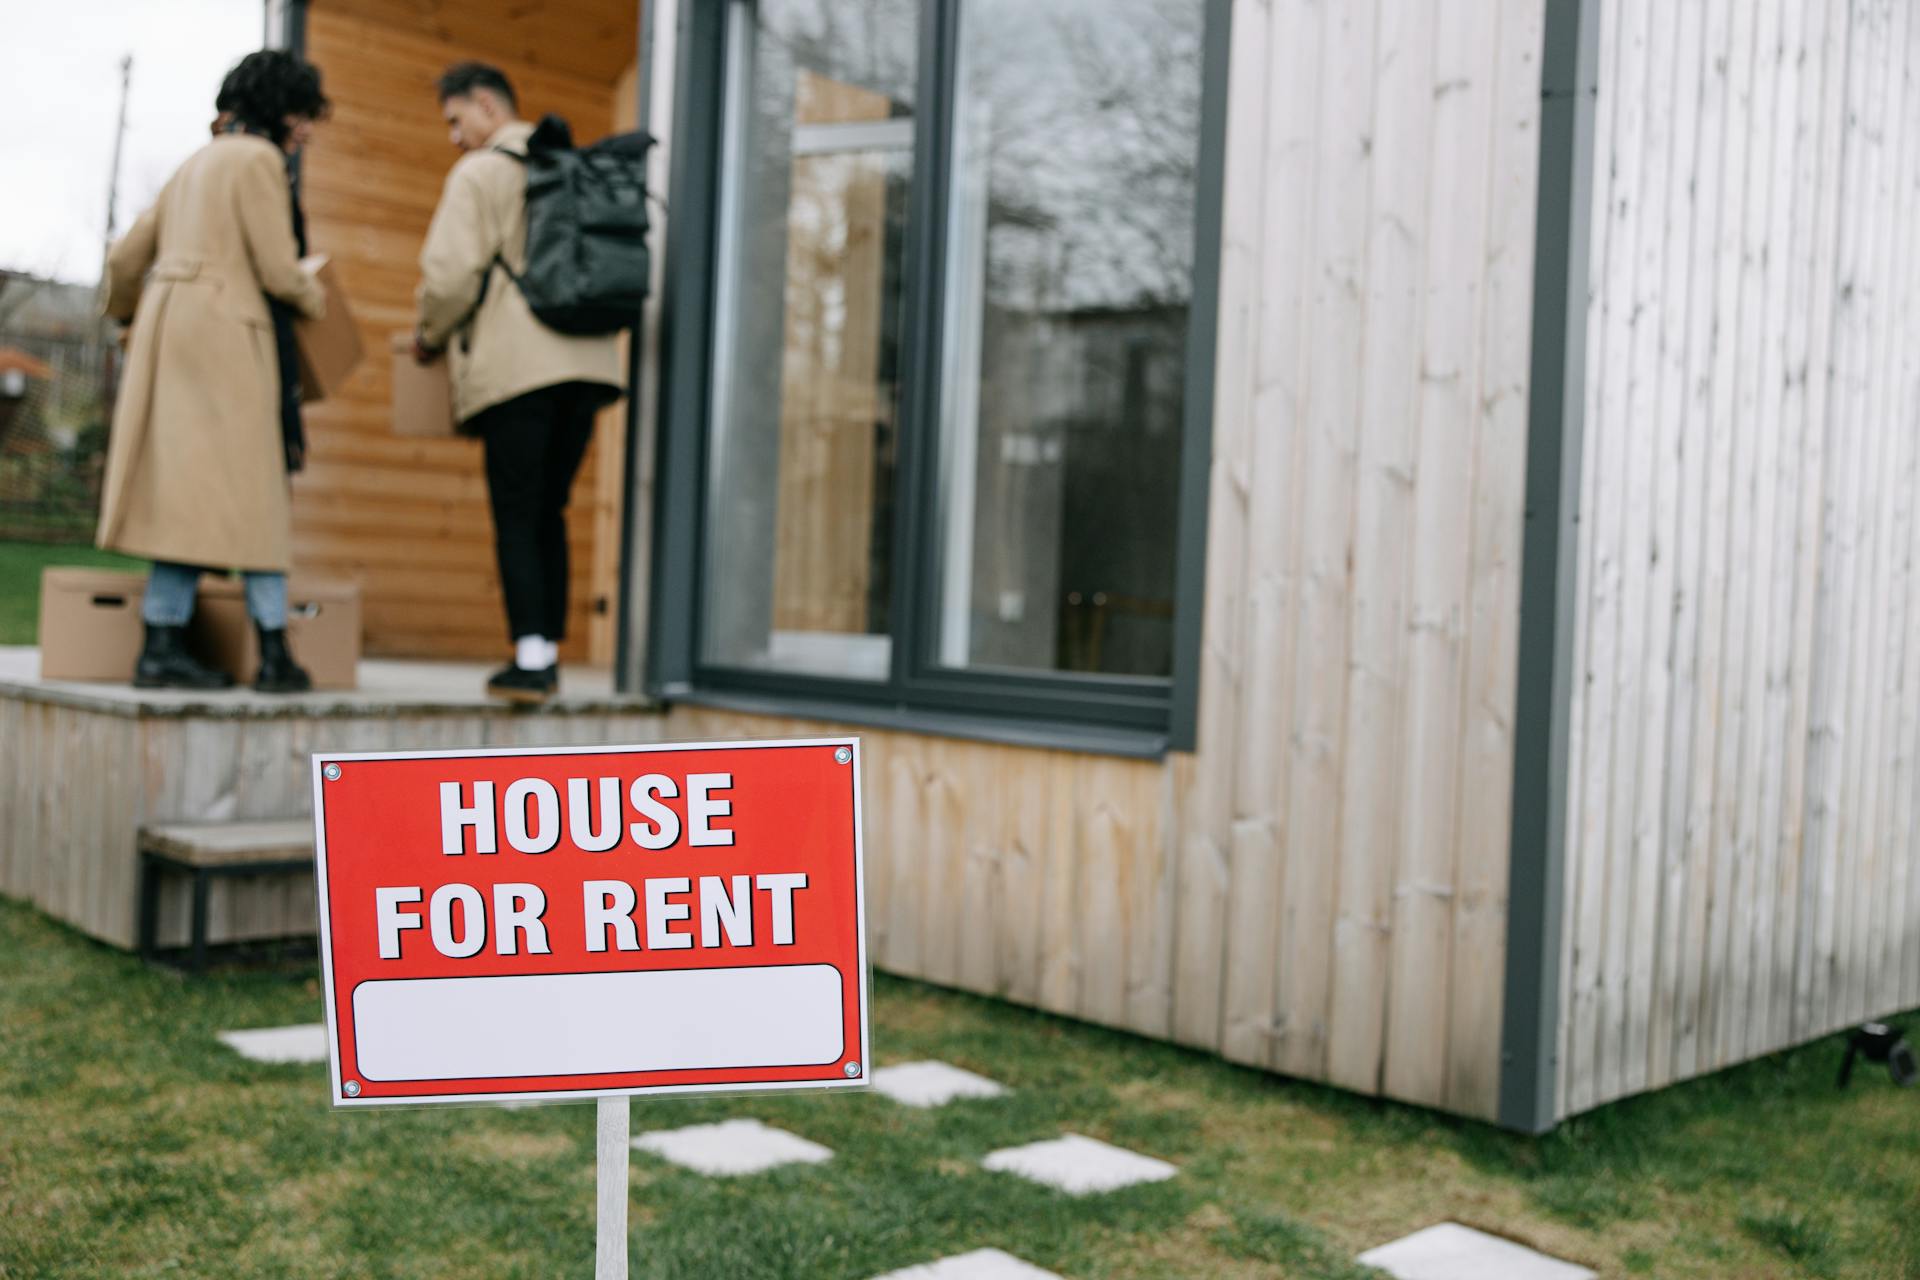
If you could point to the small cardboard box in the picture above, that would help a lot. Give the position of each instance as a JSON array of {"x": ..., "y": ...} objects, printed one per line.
[
  {"x": 422, "y": 394},
  {"x": 90, "y": 625},
  {"x": 330, "y": 347},
  {"x": 323, "y": 630}
]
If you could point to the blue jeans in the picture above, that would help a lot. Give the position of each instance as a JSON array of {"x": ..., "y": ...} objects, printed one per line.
[{"x": 171, "y": 588}]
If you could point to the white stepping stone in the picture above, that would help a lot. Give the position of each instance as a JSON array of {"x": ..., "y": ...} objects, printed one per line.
[
  {"x": 981, "y": 1264},
  {"x": 304, "y": 1043},
  {"x": 1078, "y": 1165},
  {"x": 731, "y": 1147},
  {"x": 1449, "y": 1251},
  {"x": 932, "y": 1084}
]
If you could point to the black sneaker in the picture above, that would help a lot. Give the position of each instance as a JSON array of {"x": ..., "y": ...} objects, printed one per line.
[
  {"x": 517, "y": 684},
  {"x": 165, "y": 664}
]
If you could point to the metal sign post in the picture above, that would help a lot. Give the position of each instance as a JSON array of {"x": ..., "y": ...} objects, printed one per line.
[
  {"x": 610, "y": 1221},
  {"x": 574, "y": 923}
]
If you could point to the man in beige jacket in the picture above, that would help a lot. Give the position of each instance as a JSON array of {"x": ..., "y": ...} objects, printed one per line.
[{"x": 529, "y": 393}]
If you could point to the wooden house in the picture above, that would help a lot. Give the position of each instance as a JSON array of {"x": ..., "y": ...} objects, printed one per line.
[{"x": 1374, "y": 539}]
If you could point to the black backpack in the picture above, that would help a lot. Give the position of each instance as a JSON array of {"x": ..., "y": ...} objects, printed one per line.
[{"x": 587, "y": 264}]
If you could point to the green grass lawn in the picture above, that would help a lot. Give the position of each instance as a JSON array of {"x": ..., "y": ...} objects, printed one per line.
[
  {"x": 133, "y": 1144},
  {"x": 20, "y": 566}
]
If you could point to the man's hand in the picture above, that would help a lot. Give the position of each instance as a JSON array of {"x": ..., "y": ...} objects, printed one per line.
[{"x": 422, "y": 353}]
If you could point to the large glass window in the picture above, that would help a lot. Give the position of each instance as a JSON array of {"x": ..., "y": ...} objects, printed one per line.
[
  {"x": 947, "y": 362},
  {"x": 817, "y": 151},
  {"x": 1068, "y": 268}
]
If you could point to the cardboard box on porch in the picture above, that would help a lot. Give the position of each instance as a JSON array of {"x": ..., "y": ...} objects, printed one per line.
[
  {"x": 90, "y": 627},
  {"x": 422, "y": 394},
  {"x": 323, "y": 630},
  {"x": 330, "y": 347},
  {"x": 90, "y": 623}
]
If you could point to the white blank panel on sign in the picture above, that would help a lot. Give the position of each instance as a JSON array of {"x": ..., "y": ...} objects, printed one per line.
[{"x": 597, "y": 1023}]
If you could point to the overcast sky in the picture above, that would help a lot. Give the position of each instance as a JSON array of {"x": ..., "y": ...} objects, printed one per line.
[{"x": 59, "y": 94}]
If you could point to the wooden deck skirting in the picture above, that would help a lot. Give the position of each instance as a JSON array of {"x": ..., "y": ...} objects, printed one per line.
[
  {"x": 1044, "y": 877},
  {"x": 87, "y": 765}
]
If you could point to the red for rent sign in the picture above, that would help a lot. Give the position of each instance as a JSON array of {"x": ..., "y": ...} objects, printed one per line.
[{"x": 573, "y": 922}]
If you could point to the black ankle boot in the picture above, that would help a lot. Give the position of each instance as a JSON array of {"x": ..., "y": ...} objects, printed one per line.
[
  {"x": 279, "y": 673},
  {"x": 165, "y": 664}
]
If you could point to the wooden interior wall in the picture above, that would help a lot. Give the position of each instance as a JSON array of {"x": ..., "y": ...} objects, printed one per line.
[
  {"x": 1741, "y": 845},
  {"x": 1321, "y": 889},
  {"x": 408, "y": 517}
]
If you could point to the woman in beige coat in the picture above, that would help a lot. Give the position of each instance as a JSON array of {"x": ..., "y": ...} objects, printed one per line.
[{"x": 196, "y": 466}]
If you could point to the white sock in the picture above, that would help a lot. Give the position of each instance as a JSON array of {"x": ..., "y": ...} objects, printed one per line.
[{"x": 535, "y": 653}]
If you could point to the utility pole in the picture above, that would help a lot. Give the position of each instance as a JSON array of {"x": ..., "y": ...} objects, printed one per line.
[
  {"x": 109, "y": 369},
  {"x": 119, "y": 142}
]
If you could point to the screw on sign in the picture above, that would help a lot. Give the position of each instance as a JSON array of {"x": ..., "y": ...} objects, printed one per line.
[{"x": 576, "y": 923}]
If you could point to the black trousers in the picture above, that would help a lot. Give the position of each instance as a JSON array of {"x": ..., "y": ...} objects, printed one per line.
[{"x": 534, "y": 444}]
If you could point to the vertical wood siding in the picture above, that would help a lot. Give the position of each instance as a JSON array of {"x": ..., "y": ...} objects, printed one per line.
[
  {"x": 1740, "y": 829},
  {"x": 1348, "y": 804},
  {"x": 1320, "y": 888}
]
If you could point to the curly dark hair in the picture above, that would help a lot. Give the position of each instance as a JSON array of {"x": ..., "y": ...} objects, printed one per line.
[{"x": 264, "y": 88}]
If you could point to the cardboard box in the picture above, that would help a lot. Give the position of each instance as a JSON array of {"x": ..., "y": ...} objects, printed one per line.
[
  {"x": 90, "y": 625},
  {"x": 323, "y": 630},
  {"x": 330, "y": 347},
  {"x": 422, "y": 393}
]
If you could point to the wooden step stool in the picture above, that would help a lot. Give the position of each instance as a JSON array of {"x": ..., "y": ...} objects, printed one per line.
[{"x": 205, "y": 850}]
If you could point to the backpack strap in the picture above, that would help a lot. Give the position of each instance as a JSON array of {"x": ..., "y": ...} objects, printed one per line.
[{"x": 486, "y": 277}]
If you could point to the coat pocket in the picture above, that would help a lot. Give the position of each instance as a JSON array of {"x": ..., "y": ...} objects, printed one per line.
[{"x": 250, "y": 311}]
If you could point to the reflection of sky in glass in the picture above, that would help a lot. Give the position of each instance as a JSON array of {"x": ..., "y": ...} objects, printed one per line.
[
  {"x": 1092, "y": 114},
  {"x": 871, "y": 43}
]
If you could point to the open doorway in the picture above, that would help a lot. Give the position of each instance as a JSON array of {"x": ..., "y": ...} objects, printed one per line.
[{"x": 408, "y": 518}]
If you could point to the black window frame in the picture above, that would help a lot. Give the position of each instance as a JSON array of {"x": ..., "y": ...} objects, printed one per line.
[{"x": 1142, "y": 716}]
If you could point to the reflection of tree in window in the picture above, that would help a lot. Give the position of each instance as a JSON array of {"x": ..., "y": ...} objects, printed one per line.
[
  {"x": 1080, "y": 121},
  {"x": 870, "y": 43}
]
